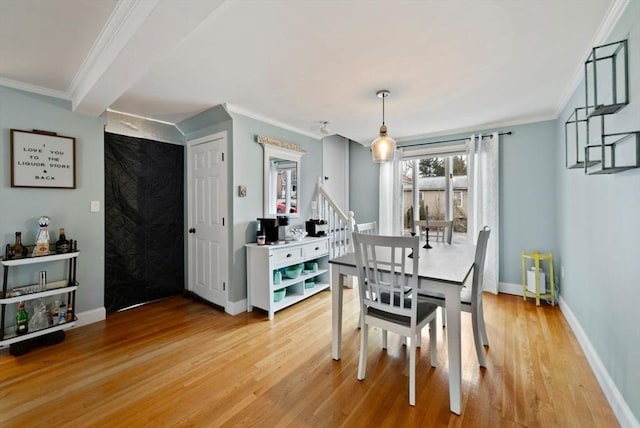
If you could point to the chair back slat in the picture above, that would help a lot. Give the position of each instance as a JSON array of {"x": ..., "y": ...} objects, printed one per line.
[
  {"x": 385, "y": 272},
  {"x": 478, "y": 264},
  {"x": 370, "y": 228}
]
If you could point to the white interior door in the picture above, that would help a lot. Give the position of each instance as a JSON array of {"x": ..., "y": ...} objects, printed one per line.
[
  {"x": 207, "y": 223},
  {"x": 335, "y": 169}
]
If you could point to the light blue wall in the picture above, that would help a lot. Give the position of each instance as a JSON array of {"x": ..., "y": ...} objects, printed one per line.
[
  {"x": 599, "y": 238},
  {"x": 20, "y": 208},
  {"x": 364, "y": 184},
  {"x": 248, "y": 164},
  {"x": 527, "y": 196}
]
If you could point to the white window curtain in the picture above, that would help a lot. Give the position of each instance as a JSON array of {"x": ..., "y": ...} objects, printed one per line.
[
  {"x": 483, "y": 194},
  {"x": 390, "y": 208}
]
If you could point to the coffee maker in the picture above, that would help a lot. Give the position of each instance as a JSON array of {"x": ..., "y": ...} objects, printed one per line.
[
  {"x": 274, "y": 229},
  {"x": 316, "y": 227}
]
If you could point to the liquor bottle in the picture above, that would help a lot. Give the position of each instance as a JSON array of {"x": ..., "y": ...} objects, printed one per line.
[
  {"x": 8, "y": 252},
  {"x": 22, "y": 320},
  {"x": 42, "y": 240},
  {"x": 62, "y": 314},
  {"x": 55, "y": 313},
  {"x": 70, "y": 312},
  {"x": 18, "y": 248},
  {"x": 62, "y": 244}
]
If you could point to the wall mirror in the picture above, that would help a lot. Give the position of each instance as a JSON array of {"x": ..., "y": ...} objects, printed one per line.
[{"x": 281, "y": 177}]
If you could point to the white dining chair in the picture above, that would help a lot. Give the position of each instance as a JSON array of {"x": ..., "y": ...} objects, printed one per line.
[
  {"x": 384, "y": 301},
  {"x": 370, "y": 228},
  {"x": 441, "y": 229},
  {"x": 471, "y": 297}
]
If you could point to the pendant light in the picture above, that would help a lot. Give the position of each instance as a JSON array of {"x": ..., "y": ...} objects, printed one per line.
[{"x": 383, "y": 147}]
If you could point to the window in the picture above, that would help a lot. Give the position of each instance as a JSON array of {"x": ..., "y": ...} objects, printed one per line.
[
  {"x": 457, "y": 199},
  {"x": 434, "y": 173}
]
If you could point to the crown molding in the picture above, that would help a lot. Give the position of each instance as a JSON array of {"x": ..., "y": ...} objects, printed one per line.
[
  {"x": 491, "y": 126},
  {"x": 239, "y": 110},
  {"x": 27, "y": 87},
  {"x": 609, "y": 21},
  {"x": 150, "y": 119},
  {"x": 123, "y": 23}
]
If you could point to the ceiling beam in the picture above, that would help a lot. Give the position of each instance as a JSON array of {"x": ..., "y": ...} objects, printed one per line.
[{"x": 137, "y": 36}]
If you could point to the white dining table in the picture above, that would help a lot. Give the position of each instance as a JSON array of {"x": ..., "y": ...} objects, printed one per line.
[{"x": 443, "y": 269}]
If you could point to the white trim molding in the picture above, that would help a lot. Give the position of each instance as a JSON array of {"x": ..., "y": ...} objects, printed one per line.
[
  {"x": 232, "y": 108},
  {"x": 123, "y": 23},
  {"x": 509, "y": 288},
  {"x": 609, "y": 21},
  {"x": 235, "y": 308},
  {"x": 34, "y": 89},
  {"x": 615, "y": 399},
  {"x": 89, "y": 317}
]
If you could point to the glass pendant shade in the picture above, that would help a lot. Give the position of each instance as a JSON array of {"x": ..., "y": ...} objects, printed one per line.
[{"x": 383, "y": 147}]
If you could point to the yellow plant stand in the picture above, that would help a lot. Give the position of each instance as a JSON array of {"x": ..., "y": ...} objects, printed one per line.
[{"x": 538, "y": 257}]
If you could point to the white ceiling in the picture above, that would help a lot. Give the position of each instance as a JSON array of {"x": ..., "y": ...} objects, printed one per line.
[{"x": 451, "y": 66}]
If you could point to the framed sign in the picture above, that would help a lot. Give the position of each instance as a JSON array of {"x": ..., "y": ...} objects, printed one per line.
[{"x": 42, "y": 159}]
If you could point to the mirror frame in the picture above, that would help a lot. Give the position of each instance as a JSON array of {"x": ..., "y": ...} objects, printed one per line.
[{"x": 280, "y": 150}]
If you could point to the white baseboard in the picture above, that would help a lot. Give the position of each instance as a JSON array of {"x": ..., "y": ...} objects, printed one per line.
[
  {"x": 235, "y": 308},
  {"x": 616, "y": 401},
  {"x": 89, "y": 317},
  {"x": 509, "y": 288}
]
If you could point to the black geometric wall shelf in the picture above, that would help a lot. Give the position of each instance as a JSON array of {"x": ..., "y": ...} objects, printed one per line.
[
  {"x": 606, "y": 81},
  {"x": 576, "y": 136},
  {"x": 606, "y": 77},
  {"x": 616, "y": 153}
]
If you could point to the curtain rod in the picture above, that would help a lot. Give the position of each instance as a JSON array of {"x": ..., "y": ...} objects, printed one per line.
[{"x": 450, "y": 141}]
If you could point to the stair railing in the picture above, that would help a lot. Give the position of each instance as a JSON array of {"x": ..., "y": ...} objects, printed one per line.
[{"x": 339, "y": 223}]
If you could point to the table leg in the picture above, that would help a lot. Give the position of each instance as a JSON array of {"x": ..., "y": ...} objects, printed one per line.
[
  {"x": 454, "y": 343},
  {"x": 337, "y": 283}
]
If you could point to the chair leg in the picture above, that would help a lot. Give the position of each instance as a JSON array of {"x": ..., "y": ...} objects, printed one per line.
[
  {"x": 483, "y": 327},
  {"x": 433, "y": 333},
  {"x": 419, "y": 339},
  {"x": 443, "y": 316},
  {"x": 412, "y": 372},
  {"x": 384, "y": 339},
  {"x": 362, "y": 364},
  {"x": 477, "y": 339}
]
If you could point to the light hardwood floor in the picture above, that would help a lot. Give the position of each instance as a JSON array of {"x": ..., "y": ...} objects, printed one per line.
[{"x": 182, "y": 363}]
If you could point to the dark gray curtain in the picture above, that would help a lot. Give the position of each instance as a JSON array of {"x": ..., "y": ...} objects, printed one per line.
[{"x": 144, "y": 220}]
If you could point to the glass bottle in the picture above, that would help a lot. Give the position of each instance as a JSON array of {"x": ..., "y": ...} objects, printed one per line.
[
  {"x": 55, "y": 313},
  {"x": 69, "y": 313},
  {"x": 18, "y": 248},
  {"x": 62, "y": 244},
  {"x": 22, "y": 320},
  {"x": 8, "y": 252},
  {"x": 62, "y": 314},
  {"x": 42, "y": 240}
]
